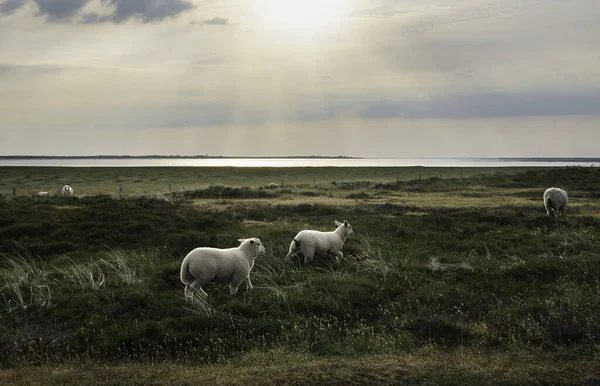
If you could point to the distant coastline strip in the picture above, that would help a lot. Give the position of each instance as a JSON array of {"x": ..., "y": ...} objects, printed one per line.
[{"x": 168, "y": 157}]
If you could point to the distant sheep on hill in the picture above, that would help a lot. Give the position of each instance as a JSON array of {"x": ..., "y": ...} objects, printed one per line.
[
  {"x": 273, "y": 185},
  {"x": 225, "y": 266},
  {"x": 308, "y": 242},
  {"x": 44, "y": 194},
  {"x": 66, "y": 190},
  {"x": 555, "y": 202}
]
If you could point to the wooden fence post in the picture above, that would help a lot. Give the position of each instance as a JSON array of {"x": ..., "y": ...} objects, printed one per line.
[
  {"x": 282, "y": 183},
  {"x": 120, "y": 188},
  {"x": 169, "y": 187},
  {"x": 14, "y": 192}
]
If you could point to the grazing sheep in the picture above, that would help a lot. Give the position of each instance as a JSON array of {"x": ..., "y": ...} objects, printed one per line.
[
  {"x": 555, "y": 201},
  {"x": 308, "y": 242},
  {"x": 44, "y": 194},
  {"x": 66, "y": 190},
  {"x": 273, "y": 185},
  {"x": 225, "y": 266}
]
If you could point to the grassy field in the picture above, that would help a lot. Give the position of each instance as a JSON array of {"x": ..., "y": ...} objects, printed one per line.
[
  {"x": 152, "y": 180},
  {"x": 447, "y": 280}
]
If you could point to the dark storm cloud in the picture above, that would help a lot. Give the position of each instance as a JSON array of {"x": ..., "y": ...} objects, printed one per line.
[
  {"x": 67, "y": 10},
  {"x": 488, "y": 105},
  {"x": 9, "y": 6}
]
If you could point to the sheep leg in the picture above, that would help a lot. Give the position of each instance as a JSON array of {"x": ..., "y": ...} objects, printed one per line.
[
  {"x": 197, "y": 287},
  {"x": 309, "y": 254},
  {"x": 338, "y": 256},
  {"x": 187, "y": 293},
  {"x": 249, "y": 285},
  {"x": 234, "y": 285}
]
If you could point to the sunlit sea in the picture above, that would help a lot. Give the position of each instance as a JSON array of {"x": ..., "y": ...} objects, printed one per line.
[{"x": 299, "y": 162}]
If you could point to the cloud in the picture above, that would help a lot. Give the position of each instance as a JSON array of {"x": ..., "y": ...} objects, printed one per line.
[
  {"x": 217, "y": 21},
  {"x": 9, "y": 6},
  {"x": 40, "y": 68},
  {"x": 168, "y": 115},
  {"x": 122, "y": 10},
  {"x": 60, "y": 10},
  {"x": 147, "y": 10},
  {"x": 488, "y": 105},
  {"x": 172, "y": 115}
]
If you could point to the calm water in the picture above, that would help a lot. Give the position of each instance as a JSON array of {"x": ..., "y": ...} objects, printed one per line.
[{"x": 295, "y": 162}]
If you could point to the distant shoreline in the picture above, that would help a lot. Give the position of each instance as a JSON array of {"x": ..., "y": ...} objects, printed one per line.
[
  {"x": 167, "y": 157},
  {"x": 117, "y": 157}
]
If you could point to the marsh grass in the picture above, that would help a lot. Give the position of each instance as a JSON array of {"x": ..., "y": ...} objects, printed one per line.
[
  {"x": 24, "y": 283},
  {"x": 114, "y": 266},
  {"x": 198, "y": 305},
  {"x": 122, "y": 267},
  {"x": 380, "y": 262},
  {"x": 83, "y": 276},
  {"x": 454, "y": 266}
]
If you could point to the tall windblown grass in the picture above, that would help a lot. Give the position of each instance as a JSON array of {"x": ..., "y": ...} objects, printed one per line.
[
  {"x": 24, "y": 283},
  {"x": 378, "y": 262},
  {"x": 199, "y": 306},
  {"x": 84, "y": 276},
  {"x": 270, "y": 273},
  {"x": 121, "y": 267}
]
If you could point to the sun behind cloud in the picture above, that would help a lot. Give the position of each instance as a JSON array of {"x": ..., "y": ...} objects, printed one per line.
[{"x": 304, "y": 19}]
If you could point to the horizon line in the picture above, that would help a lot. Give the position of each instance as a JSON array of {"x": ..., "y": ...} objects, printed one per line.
[{"x": 159, "y": 156}]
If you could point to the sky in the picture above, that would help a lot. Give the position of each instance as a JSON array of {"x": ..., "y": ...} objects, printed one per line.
[{"x": 367, "y": 78}]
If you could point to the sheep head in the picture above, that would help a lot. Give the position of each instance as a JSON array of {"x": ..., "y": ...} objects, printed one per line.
[
  {"x": 253, "y": 244},
  {"x": 347, "y": 227}
]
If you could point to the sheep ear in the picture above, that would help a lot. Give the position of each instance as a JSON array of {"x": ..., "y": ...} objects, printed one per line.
[
  {"x": 241, "y": 240},
  {"x": 338, "y": 223},
  {"x": 345, "y": 223}
]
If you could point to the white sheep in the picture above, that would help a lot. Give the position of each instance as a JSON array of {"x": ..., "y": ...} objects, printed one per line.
[
  {"x": 44, "y": 194},
  {"x": 66, "y": 190},
  {"x": 224, "y": 266},
  {"x": 273, "y": 185},
  {"x": 308, "y": 241},
  {"x": 555, "y": 201}
]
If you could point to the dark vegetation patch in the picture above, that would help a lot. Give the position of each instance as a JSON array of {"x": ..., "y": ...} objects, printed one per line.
[
  {"x": 583, "y": 181},
  {"x": 229, "y": 192},
  {"x": 359, "y": 196},
  {"x": 45, "y": 228}
]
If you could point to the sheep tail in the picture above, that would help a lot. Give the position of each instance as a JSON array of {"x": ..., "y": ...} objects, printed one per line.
[{"x": 185, "y": 275}]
